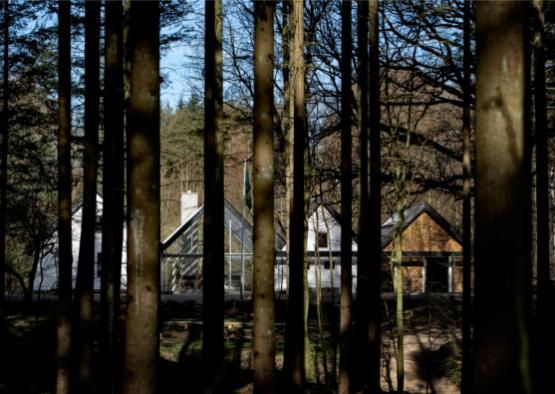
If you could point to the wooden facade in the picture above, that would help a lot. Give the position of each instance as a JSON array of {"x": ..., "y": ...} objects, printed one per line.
[{"x": 432, "y": 252}]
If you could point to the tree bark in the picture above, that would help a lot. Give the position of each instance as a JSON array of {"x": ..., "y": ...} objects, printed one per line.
[
  {"x": 503, "y": 238},
  {"x": 263, "y": 193},
  {"x": 544, "y": 316},
  {"x": 213, "y": 247},
  {"x": 294, "y": 357},
  {"x": 345, "y": 318},
  {"x": 85, "y": 271},
  {"x": 375, "y": 207},
  {"x": 398, "y": 282},
  {"x": 113, "y": 189},
  {"x": 143, "y": 199},
  {"x": 369, "y": 250},
  {"x": 289, "y": 112},
  {"x": 466, "y": 378},
  {"x": 4, "y": 170},
  {"x": 64, "y": 200},
  {"x": 363, "y": 300}
]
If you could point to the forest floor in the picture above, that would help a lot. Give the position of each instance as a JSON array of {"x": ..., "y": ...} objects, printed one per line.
[{"x": 431, "y": 347}]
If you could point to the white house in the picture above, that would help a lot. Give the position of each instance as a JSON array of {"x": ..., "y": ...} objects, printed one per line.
[
  {"x": 182, "y": 250},
  {"x": 46, "y": 278},
  {"x": 323, "y": 250}
]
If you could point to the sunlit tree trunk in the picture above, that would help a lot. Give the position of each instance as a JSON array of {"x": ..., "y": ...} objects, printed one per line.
[
  {"x": 345, "y": 317},
  {"x": 4, "y": 169},
  {"x": 294, "y": 363},
  {"x": 503, "y": 238},
  {"x": 263, "y": 195},
  {"x": 213, "y": 248},
  {"x": 466, "y": 378},
  {"x": 85, "y": 272},
  {"x": 64, "y": 199},
  {"x": 288, "y": 114},
  {"x": 112, "y": 180},
  {"x": 143, "y": 198}
]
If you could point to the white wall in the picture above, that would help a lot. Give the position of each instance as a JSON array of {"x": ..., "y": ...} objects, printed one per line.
[
  {"x": 320, "y": 221},
  {"x": 47, "y": 272}
]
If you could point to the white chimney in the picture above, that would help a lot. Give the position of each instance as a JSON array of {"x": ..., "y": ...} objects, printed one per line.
[{"x": 189, "y": 203}]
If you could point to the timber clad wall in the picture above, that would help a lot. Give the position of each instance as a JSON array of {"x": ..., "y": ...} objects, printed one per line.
[
  {"x": 425, "y": 235},
  {"x": 457, "y": 279},
  {"x": 413, "y": 278},
  {"x": 425, "y": 239}
]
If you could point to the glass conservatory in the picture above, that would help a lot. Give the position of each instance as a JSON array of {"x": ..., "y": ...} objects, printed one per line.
[{"x": 182, "y": 254}]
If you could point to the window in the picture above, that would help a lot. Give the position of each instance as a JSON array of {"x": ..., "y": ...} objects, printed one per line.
[{"x": 322, "y": 240}]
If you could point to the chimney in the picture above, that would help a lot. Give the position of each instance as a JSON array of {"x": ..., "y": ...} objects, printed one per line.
[{"x": 189, "y": 203}]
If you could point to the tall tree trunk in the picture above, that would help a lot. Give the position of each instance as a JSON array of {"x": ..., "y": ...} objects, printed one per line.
[
  {"x": 345, "y": 323},
  {"x": 544, "y": 313},
  {"x": 143, "y": 198},
  {"x": 263, "y": 194},
  {"x": 397, "y": 260},
  {"x": 503, "y": 224},
  {"x": 318, "y": 306},
  {"x": 375, "y": 207},
  {"x": 361, "y": 374},
  {"x": 213, "y": 248},
  {"x": 370, "y": 250},
  {"x": 466, "y": 379},
  {"x": 294, "y": 363},
  {"x": 113, "y": 188},
  {"x": 64, "y": 199},
  {"x": 289, "y": 110},
  {"x": 85, "y": 271},
  {"x": 4, "y": 171}
]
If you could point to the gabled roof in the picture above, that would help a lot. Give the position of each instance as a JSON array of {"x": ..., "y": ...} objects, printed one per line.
[
  {"x": 329, "y": 206},
  {"x": 238, "y": 224},
  {"x": 411, "y": 214},
  {"x": 182, "y": 228},
  {"x": 387, "y": 230},
  {"x": 78, "y": 204}
]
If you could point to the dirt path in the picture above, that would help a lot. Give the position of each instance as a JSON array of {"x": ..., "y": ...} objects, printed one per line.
[{"x": 423, "y": 353}]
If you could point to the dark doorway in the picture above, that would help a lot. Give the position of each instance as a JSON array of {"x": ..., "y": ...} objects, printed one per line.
[{"x": 436, "y": 276}]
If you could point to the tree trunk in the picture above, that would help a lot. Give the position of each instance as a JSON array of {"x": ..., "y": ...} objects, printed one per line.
[
  {"x": 85, "y": 274},
  {"x": 375, "y": 209},
  {"x": 503, "y": 180},
  {"x": 294, "y": 363},
  {"x": 466, "y": 379},
  {"x": 544, "y": 315},
  {"x": 143, "y": 199},
  {"x": 4, "y": 171},
  {"x": 369, "y": 250},
  {"x": 263, "y": 193},
  {"x": 113, "y": 188},
  {"x": 213, "y": 248},
  {"x": 345, "y": 329},
  {"x": 363, "y": 301},
  {"x": 318, "y": 306},
  {"x": 398, "y": 283},
  {"x": 289, "y": 112},
  {"x": 64, "y": 200}
]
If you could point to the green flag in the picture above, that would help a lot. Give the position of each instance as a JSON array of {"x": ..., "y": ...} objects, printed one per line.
[{"x": 247, "y": 186}]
